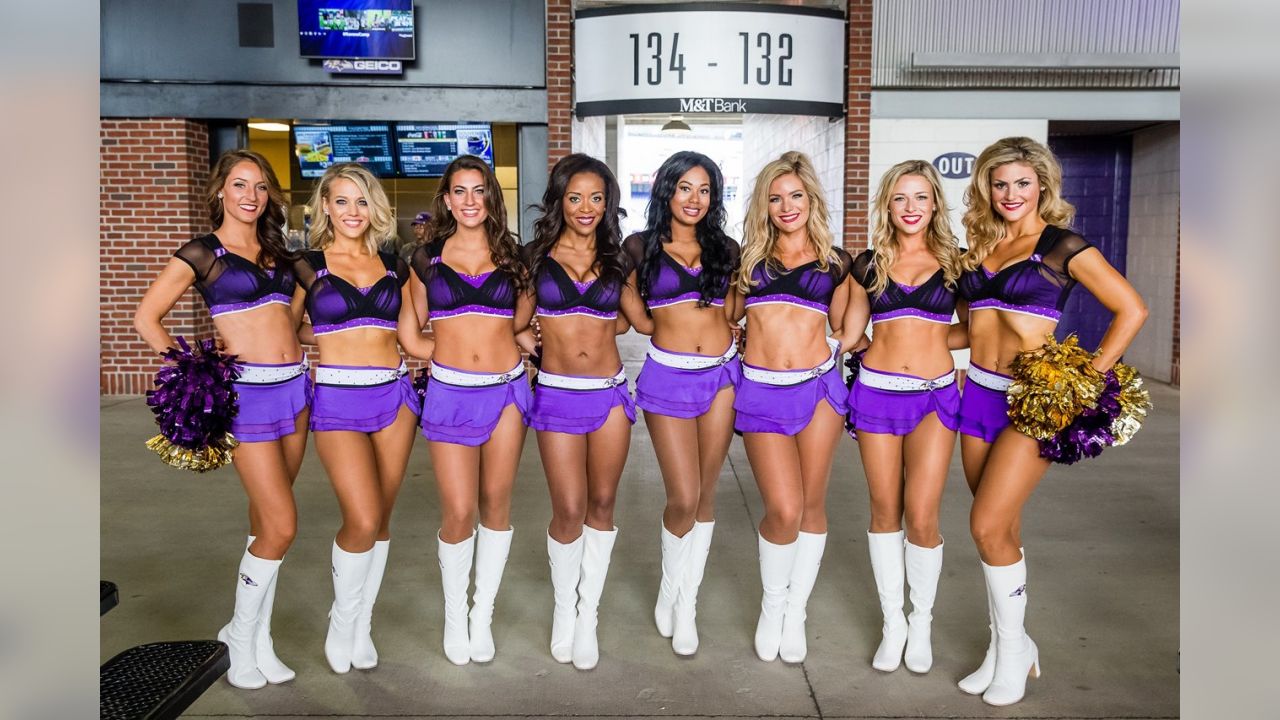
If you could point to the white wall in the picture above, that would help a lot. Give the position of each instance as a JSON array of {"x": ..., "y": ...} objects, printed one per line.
[
  {"x": 588, "y": 136},
  {"x": 765, "y": 137},
  {"x": 1154, "y": 204}
]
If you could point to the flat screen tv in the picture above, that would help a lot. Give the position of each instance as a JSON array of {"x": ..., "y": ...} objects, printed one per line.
[
  {"x": 424, "y": 150},
  {"x": 319, "y": 146},
  {"x": 381, "y": 29}
]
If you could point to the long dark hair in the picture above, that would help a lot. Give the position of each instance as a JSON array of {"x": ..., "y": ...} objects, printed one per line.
[
  {"x": 503, "y": 249},
  {"x": 716, "y": 261},
  {"x": 548, "y": 227},
  {"x": 271, "y": 222}
]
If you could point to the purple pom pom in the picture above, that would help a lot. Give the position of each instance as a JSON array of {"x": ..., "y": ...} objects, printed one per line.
[
  {"x": 195, "y": 401},
  {"x": 853, "y": 363},
  {"x": 1090, "y": 433},
  {"x": 420, "y": 381}
]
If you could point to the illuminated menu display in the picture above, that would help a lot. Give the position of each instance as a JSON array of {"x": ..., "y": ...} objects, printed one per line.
[
  {"x": 319, "y": 146},
  {"x": 425, "y": 150}
]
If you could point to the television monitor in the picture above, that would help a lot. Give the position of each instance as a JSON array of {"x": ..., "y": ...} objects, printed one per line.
[
  {"x": 424, "y": 150},
  {"x": 381, "y": 29},
  {"x": 319, "y": 146}
]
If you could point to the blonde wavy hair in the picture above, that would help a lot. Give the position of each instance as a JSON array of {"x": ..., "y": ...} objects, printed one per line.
[
  {"x": 382, "y": 222},
  {"x": 759, "y": 233},
  {"x": 938, "y": 237},
  {"x": 983, "y": 226}
]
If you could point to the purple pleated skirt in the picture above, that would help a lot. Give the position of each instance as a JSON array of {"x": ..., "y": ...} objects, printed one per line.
[
  {"x": 983, "y": 412},
  {"x": 577, "y": 412},
  {"x": 787, "y": 409},
  {"x": 270, "y": 411},
  {"x": 895, "y": 412},
  {"x": 362, "y": 408},
  {"x": 680, "y": 393},
  {"x": 467, "y": 415}
]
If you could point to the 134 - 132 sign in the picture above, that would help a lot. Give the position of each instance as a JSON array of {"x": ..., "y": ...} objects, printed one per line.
[
  {"x": 652, "y": 58},
  {"x": 665, "y": 58}
]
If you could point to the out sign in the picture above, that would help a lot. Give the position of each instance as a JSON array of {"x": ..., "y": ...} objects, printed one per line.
[{"x": 954, "y": 165}]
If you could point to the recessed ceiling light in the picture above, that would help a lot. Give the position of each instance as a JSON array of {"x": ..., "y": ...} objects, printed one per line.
[{"x": 269, "y": 126}]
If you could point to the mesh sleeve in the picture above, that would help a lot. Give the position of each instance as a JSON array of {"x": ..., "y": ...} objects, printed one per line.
[
  {"x": 200, "y": 256},
  {"x": 633, "y": 247},
  {"x": 842, "y": 266},
  {"x": 304, "y": 268},
  {"x": 863, "y": 268},
  {"x": 735, "y": 258},
  {"x": 1065, "y": 247},
  {"x": 420, "y": 261},
  {"x": 402, "y": 271}
]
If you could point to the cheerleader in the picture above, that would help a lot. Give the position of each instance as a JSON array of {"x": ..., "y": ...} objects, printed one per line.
[
  {"x": 793, "y": 281},
  {"x": 684, "y": 267},
  {"x": 244, "y": 273},
  {"x": 582, "y": 409},
  {"x": 1017, "y": 226},
  {"x": 467, "y": 277},
  {"x": 365, "y": 410},
  {"x": 904, "y": 402}
]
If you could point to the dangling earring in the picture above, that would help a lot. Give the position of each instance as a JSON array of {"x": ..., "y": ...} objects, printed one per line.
[{"x": 219, "y": 196}]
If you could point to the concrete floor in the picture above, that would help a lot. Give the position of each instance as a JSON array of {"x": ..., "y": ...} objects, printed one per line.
[{"x": 1102, "y": 541}]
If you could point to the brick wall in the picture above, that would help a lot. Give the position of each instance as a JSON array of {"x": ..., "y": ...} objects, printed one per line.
[
  {"x": 857, "y": 127},
  {"x": 559, "y": 80},
  {"x": 152, "y": 176}
]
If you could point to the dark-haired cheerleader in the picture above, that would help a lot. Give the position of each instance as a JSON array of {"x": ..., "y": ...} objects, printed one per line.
[
  {"x": 582, "y": 409},
  {"x": 685, "y": 265},
  {"x": 1021, "y": 265},
  {"x": 244, "y": 273},
  {"x": 468, "y": 276}
]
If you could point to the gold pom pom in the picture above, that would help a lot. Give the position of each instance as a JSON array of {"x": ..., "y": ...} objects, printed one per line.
[
  {"x": 200, "y": 460},
  {"x": 1051, "y": 386},
  {"x": 1135, "y": 403}
]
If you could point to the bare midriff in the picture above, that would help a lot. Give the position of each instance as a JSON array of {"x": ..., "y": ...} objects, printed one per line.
[
  {"x": 579, "y": 345},
  {"x": 911, "y": 347},
  {"x": 689, "y": 328},
  {"x": 996, "y": 337},
  {"x": 475, "y": 343},
  {"x": 265, "y": 335},
  {"x": 786, "y": 337},
  {"x": 360, "y": 347}
]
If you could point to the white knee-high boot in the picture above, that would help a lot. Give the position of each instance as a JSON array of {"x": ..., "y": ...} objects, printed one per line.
[
  {"x": 675, "y": 561},
  {"x": 566, "y": 569},
  {"x": 349, "y": 573},
  {"x": 269, "y": 665},
  {"x": 492, "y": 549},
  {"x": 684, "y": 639},
  {"x": 254, "y": 579},
  {"x": 364, "y": 656},
  {"x": 776, "y": 563},
  {"x": 888, "y": 565},
  {"x": 1016, "y": 653},
  {"x": 924, "y": 565},
  {"x": 977, "y": 682},
  {"x": 804, "y": 573},
  {"x": 455, "y": 576},
  {"x": 596, "y": 552}
]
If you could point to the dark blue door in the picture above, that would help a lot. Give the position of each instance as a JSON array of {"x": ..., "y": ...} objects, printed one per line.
[{"x": 1095, "y": 178}]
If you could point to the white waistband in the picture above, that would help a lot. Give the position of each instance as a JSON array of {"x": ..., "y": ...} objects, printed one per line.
[
  {"x": 358, "y": 376},
  {"x": 569, "y": 382},
  {"x": 792, "y": 377},
  {"x": 987, "y": 379},
  {"x": 691, "y": 362},
  {"x": 470, "y": 379},
  {"x": 900, "y": 383},
  {"x": 270, "y": 374}
]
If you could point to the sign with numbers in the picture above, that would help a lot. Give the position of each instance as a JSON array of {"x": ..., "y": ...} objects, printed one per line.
[{"x": 709, "y": 57}]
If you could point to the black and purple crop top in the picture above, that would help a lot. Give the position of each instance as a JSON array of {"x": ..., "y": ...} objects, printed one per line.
[
  {"x": 335, "y": 305},
  {"x": 675, "y": 283},
  {"x": 230, "y": 283},
  {"x": 1036, "y": 286},
  {"x": 805, "y": 286},
  {"x": 559, "y": 295},
  {"x": 454, "y": 294},
  {"x": 933, "y": 301}
]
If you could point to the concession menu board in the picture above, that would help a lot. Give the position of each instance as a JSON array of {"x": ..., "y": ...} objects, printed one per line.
[
  {"x": 425, "y": 150},
  {"x": 319, "y": 146}
]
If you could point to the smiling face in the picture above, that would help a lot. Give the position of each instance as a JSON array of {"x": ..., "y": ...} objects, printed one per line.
[
  {"x": 466, "y": 198},
  {"x": 692, "y": 198},
  {"x": 583, "y": 203},
  {"x": 1015, "y": 191},
  {"x": 788, "y": 203},
  {"x": 244, "y": 194},
  {"x": 911, "y": 205},
  {"x": 348, "y": 209}
]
